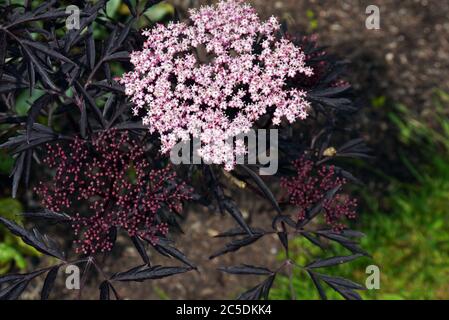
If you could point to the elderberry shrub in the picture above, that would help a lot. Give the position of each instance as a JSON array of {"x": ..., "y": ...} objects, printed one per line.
[{"x": 99, "y": 164}]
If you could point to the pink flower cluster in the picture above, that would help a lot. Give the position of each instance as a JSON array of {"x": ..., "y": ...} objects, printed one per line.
[
  {"x": 214, "y": 77},
  {"x": 311, "y": 185},
  {"x": 106, "y": 184}
]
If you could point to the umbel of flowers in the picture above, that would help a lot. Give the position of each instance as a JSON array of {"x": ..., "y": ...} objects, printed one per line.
[
  {"x": 214, "y": 76},
  {"x": 311, "y": 185},
  {"x": 107, "y": 184}
]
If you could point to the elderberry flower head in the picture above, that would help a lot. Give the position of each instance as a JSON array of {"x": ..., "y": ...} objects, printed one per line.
[
  {"x": 311, "y": 185},
  {"x": 214, "y": 77},
  {"x": 109, "y": 183}
]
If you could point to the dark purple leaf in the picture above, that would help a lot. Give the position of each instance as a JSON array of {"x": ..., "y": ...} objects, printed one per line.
[
  {"x": 258, "y": 292},
  {"x": 318, "y": 285},
  {"x": 164, "y": 248},
  {"x": 91, "y": 102},
  {"x": 230, "y": 206},
  {"x": 329, "y": 92},
  {"x": 149, "y": 273},
  {"x": 283, "y": 237},
  {"x": 342, "y": 282},
  {"x": 90, "y": 48},
  {"x": 34, "y": 111},
  {"x": 332, "y": 261},
  {"x": 104, "y": 290},
  {"x": 236, "y": 245},
  {"x": 49, "y": 282},
  {"x": 14, "y": 291},
  {"x": 239, "y": 232},
  {"x": 246, "y": 269},
  {"x": 17, "y": 284},
  {"x": 48, "y": 215},
  {"x": 47, "y": 50},
  {"x": 34, "y": 239},
  {"x": 263, "y": 187},
  {"x": 122, "y": 55},
  {"x": 140, "y": 246},
  {"x": 17, "y": 172},
  {"x": 3, "y": 46},
  {"x": 39, "y": 68}
]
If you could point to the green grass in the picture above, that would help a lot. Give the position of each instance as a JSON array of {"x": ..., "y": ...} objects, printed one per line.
[
  {"x": 13, "y": 251},
  {"x": 408, "y": 236}
]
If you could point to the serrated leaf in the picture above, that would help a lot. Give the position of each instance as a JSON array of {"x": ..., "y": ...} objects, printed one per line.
[
  {"x": 34, "y": 111},
  {"x": 258, "y": 292},
  {"x": 317, "y": 208},
  {"x": 140, "y": 247},
  {"x": 4, "y": 88},
  {"x": 90, "y": 48},
  {"x": 252, "y": 294},
  {"x": 237, "y": 244},
  {"x": 149, "y": 273},
  {"x": 49, "y": 282},
  {"x": 350, "y": 144},
  {"x": 313, "y": 240},
  {"x": 234, "y": 211},
  {"x": 17, "y": 284},
  {"x": 47, "y": 50},
  {"x": 104, "y": 290},
  {"x": 17, "y": 173},
  {"x": 39, "y": 68},
  {"x": 346, "y": 293},
  {"x": 14, "y": 291},
  {"x": 246, "y": 270},
  {"x": 318, "y": 285},
  {"x": 342, "y": 282},
  {"x": 164, "y": 248},
  {"x": 48, "y": 215},
  {"x": 32, "y": 239},
  {"x": 329, "y": 92},
  {"x": 263, "y": 187},
  {"x": 283, "y": 237},
  {"x": 89, "y": 100},
  {"x": 332, "y": 261},
  {"x": 122, "y": 55},
  {"x": 267, "y": 286},
  {"x": 239, "y": 232},
  {"x": 3, "y": 45}
]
